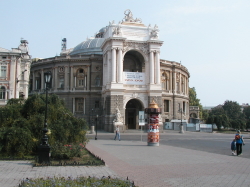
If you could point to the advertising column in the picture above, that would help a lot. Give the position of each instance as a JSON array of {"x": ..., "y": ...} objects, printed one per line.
[{"x": 153, "y": 124}]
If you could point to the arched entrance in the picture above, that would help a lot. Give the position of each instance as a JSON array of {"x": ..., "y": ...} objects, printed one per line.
[
  {"x": 131, "y": 114},
  {"x": 133, "y": 62}
]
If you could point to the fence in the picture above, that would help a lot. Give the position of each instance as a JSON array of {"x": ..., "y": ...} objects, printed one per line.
[{"x": 193, "y": 127}]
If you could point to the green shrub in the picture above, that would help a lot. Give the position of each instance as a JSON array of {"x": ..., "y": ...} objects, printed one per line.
[
  {"x": 22, "y": 122},
  {"x": 67, "y": 151}
]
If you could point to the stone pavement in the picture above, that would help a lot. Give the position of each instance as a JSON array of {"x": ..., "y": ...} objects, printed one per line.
[
  {"x": 147, "y": 166},
  {"x": 171, "y": 166}
]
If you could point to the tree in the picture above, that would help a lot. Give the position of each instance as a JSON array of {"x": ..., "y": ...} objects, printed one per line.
[
  {"x": 236, "y": 117},
  {"x": 246, "y": 111},
  {"x": 22, "y": 123},
  {"x": 194, "y": 101},
  {"x": 218, "y": 116}
]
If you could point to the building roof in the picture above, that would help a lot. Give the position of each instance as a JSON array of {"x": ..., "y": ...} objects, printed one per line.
[
  {"x": 4, "y": 50},
  {"x": 91, "y": 45}
]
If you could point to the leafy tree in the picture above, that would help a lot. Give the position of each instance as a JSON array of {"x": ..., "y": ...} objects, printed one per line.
[
  {"x": 22, "y": 123},
  {"x": 246, "y": 111},
  {"x": 218, "y": 116},
  {"x": 228, "y": 115},
  {"x": 236, "y": 117},
  {"x": 194, "y": 101}
]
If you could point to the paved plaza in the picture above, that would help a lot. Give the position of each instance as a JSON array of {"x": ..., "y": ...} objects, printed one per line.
[{"x": 166, "y": 165}]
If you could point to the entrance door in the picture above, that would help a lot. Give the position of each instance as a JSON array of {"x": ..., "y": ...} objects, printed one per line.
[
  {"x": 131, "y": 119},
  {"x": 132, "y": 112}
]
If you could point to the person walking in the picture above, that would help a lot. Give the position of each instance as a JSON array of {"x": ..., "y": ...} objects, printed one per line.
[
  {"x": 239, "y": 141},
  {"x": 233, "y": 147},
  {"x": 117, "y": 133}
]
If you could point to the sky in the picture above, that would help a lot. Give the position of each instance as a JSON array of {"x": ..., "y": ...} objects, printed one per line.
[{"x": 211, "y": 38}]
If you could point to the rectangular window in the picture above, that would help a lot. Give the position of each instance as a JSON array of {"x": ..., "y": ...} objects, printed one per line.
[
  {"x": 79, "y": 104},
  {"x": 61, "y": 82},
  {"x": 3, "y": 71},
  {"x": 38, "y": 83},
  {"x": 81, "y": 82},
  {"x": 2, "y": 92},
  {"x": 166, "y": 105},
  {"x": 184, "y": 107},
  {"x": 96, "y": 104}
]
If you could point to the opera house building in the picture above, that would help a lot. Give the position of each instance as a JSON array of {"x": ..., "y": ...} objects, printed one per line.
[{"x": 111, "y": 78}]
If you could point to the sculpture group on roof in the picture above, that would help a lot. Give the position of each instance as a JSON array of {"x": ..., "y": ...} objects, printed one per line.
[{"x": 129, "y": 17}]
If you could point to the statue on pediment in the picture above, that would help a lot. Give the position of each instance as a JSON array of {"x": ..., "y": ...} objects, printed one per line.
[
  {"x": 129, "y": 17},
  {"x": 154, "y": 32}
]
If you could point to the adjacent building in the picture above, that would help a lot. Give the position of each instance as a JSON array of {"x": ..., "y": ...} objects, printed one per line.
[
  {"x": 14, "y": 72},
  {"x": 115, "y": 75}
]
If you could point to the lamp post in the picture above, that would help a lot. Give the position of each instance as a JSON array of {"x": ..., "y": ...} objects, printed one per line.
[
  {"x": 44, "y": 148},
  {"x": 96, "y": 127},
  {"x": 181, "y": 125}
]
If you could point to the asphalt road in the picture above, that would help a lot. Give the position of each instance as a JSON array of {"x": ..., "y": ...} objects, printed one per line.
[{"x": 208, "y": 142}]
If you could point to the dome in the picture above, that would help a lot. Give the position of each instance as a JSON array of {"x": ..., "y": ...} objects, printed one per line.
[
  {"x": 103, "y": 29},
  {"x": 91, "y": 46}
]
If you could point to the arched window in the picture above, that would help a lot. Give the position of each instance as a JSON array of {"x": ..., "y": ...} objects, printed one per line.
[
  {"x": 165, "y": 81},
  {"x": 80, "y": 78},
  {"x": 2, "y": 92},
  {"x": 97, "y": 81}
]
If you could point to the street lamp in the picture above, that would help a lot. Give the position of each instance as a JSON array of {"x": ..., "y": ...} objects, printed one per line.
[
  {"x": 96, "y": 127},
  {"x": 181, "y": 125},
  {"x": 44, "y": 148}
]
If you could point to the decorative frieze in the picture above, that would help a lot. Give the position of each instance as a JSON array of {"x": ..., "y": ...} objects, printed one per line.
[{"x": 143, "y": 47}]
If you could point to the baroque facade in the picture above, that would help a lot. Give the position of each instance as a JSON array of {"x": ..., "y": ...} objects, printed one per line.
[
  {"x": 14, "y": 72},
  {"x": 118, "y": 70}
]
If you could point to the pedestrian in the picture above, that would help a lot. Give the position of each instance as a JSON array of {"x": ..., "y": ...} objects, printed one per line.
[
  {"x": 233, "y": 147},
  {"x": 239, "y": 141},
  {"x": 117, "y": 133}
]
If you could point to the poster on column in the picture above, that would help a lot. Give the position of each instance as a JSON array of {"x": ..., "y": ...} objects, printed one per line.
[
  {"x": 141, "y": 118},
  {"x": 135, "y": 78}
]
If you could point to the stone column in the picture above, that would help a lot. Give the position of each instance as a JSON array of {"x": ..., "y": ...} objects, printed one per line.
[
  {"x": 88, "y": 78},
  {"x": 104, "y": 68},
  {"x": 71, "y": 78},
  {"x": 120, "y": 66},
  {"x": 85, "y": 82},
  {"x": 66, "y": 78},
  {"x": 34, "y": 81},
  {"x": 174, "y": 82},
  {"x": 170, "y": 81},
  {"x": 157, "y": 68},
  {"x": 113, "y": 65},
  {"x": 18, "y": 74},
  {"x": 73, "y": 105},
  {"x": 55, "y": 86},
  {"x": 42, "y": 79},
  {"x": 109, "y": 67},
  {"x": 151, "y": 67},
  {"x": 180, "y": 83}
]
